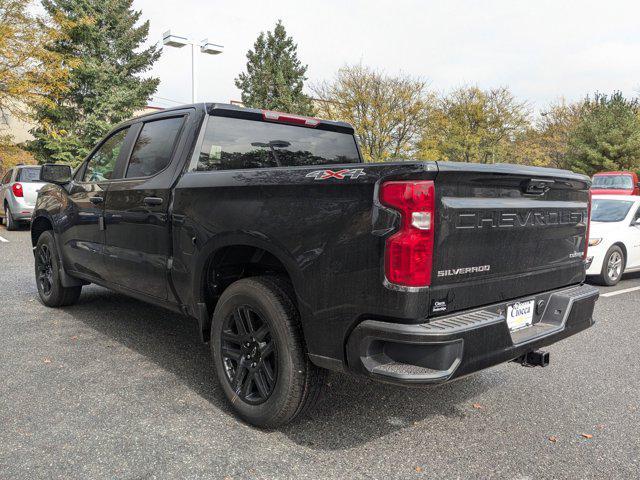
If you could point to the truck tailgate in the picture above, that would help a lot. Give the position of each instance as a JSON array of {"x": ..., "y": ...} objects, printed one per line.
[{"x": 504, "y": 231}]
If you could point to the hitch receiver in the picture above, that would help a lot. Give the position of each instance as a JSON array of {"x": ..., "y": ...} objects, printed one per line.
[{"x": 535, "y": 358}]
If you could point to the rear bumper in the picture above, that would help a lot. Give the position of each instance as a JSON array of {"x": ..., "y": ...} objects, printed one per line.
[
  {"x": 20, "y": 210},
  {"x": 463, "y": 343},
  {"x": 23, "y": 215}
]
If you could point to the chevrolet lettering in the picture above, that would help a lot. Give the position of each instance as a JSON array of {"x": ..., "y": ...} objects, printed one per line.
[{"x": 519, "y": 219}]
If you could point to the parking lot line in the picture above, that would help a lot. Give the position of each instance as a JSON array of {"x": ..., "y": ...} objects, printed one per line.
[
  {"x": 2, "y": 239},
  {"x": 620, "y": 292}
]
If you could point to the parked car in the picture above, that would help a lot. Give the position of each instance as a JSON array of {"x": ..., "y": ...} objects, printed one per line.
[
  {"x": 615, "y": 183},
  {"x": 295, "y": 256},
  {"x": 18, "y": 192},
  {"x": 614, "y": 242}
]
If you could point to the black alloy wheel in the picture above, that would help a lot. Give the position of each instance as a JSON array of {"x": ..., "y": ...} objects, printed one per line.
[
  {"x": 249, "y": 355},
  {"x": 44, "y": 269}
]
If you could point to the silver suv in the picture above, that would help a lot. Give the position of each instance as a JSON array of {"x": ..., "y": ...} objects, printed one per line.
[{"x": 18, "y": 193}]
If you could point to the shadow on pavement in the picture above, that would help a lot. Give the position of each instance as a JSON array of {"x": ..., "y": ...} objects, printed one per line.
[{"x": 352, "y": 411}]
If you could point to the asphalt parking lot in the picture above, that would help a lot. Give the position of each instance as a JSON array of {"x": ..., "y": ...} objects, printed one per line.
[{"x": 115, "y": 388}]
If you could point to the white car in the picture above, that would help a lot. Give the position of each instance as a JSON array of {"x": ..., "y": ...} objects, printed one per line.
[{"x": 614, "y": 238}]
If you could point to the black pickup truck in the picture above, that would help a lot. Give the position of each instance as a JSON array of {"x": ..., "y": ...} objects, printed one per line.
[{"x": 295, "y": 257}]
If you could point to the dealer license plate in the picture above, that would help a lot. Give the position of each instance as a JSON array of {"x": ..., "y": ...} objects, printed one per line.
[{"x": 520, "y": 315}]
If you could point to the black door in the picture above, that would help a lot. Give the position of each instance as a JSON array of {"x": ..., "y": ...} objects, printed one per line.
[
  {"x": 83, "y": 232},
  {"x": 138, "y": 237}
]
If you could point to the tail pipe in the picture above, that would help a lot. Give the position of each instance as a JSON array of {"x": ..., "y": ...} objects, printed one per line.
[{"x": 534, "y": 358}]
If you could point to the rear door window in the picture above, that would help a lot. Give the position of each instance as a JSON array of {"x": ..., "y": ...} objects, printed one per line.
[
  {"x": 28, "y": 175},
  {"x": 154, "y": 147},
  {"x": 233, "y": 143}
]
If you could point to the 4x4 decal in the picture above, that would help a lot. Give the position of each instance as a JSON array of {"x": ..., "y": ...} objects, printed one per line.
[{"x": 352, "y": 173}]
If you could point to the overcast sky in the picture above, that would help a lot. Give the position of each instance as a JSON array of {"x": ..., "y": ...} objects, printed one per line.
[{"x": 542, "y": 50}]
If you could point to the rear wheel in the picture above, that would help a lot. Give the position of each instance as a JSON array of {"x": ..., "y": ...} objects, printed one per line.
[
  {"x": 612, "y": 266},
  {"x": 10, "y": 222},
  {"x": 47, "y": 269},
  {"x": 259, "y": 352}
]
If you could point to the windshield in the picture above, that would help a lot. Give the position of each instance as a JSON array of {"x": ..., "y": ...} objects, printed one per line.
[
  {"x": 233, "y": 143},
  {"x": 612, "y": 182},
  {"x": 30, "y": 174},
  {"x": 609, "y": 210}
]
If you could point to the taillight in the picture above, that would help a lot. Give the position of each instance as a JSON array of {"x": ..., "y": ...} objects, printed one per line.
[
  {"x": 289, "y": 118},
  {"x": 409, "y": 252},
  {"x": 17, "y": 190},
  {"x": 586, "y": 237}
]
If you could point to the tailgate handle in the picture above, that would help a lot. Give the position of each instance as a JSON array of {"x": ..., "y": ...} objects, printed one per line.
[
  {"x": 96, "y": 200},
  {"x": 152, "y": 201},
  {"x": 537, "y": 186}
]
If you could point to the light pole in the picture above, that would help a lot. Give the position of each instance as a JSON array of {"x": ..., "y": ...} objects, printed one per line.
[{"x": 180, "y": 41}]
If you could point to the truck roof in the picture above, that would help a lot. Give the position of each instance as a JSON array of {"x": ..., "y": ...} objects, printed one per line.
[{"x": 235, "y": 111}]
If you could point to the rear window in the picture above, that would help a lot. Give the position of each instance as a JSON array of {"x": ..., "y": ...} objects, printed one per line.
[
  {"x": 232, "y": 143},
  {"x": 612, "y": 182},
  {"x": 27, "y": 175},
  {"x": 609, "y": 210}
]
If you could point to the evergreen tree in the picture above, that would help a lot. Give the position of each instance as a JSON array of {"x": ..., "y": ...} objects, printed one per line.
[
  {"x": 105, "y": 86},
  {"x": 607, "y": 137},
  {"x": 275, "y": 77}
]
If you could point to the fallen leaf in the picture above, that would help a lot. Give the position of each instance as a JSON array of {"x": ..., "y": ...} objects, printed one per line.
[
  {"x": 47, "y": 360},
  {"x": 478, "y": 406},
  {"x": 418, "y": 469},
  {"x": 586, "y": 435},
  {"x": 553, "y": 438}
]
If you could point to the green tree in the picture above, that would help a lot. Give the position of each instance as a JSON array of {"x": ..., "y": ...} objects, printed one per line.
[
  {"x": 105, "y": 86},
  {"x": 474, "y": 125},
  {"x": 387, "y": 112},
  {"x": 608, "y": 135},
  {"x": 275, "y": 77}
]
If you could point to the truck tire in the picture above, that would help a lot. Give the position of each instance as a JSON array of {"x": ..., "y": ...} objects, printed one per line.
[
  {"x": 259, "y": 352},
  {"x": 47, "y": 269},
  {"x": 11, "y": 223},
  {"x": 612, "y": 267}
]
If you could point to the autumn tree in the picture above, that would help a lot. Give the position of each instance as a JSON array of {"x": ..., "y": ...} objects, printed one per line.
[
  {"x": 474, "y": 125},
  {"x": 607, "y": 137},
  {"x": 388, "y": 112},
  {"x": 546, "y": 142},
  {"x": 105, "y": 85},
  {"x": 275, "y": 76},
  {"x": 30, "y": 74}
]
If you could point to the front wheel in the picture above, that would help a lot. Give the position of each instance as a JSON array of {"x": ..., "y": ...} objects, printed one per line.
[
  {"x": 47, "y": 266},
  {"x": 612, "y": 266},
  {"x": 259, "y": 353}
]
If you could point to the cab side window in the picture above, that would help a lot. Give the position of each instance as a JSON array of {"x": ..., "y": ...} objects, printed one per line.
[
  {"x": 154, "y": 147},
  {"x": 103, "y": 161}
]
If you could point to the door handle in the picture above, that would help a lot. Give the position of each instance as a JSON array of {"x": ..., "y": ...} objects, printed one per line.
[
  {"x": 152, "y": 201},
  {"x": 96, "y": 200}
]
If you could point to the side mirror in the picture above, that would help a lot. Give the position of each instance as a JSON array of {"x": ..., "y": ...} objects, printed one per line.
[{"x": 55, "y": 173}]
